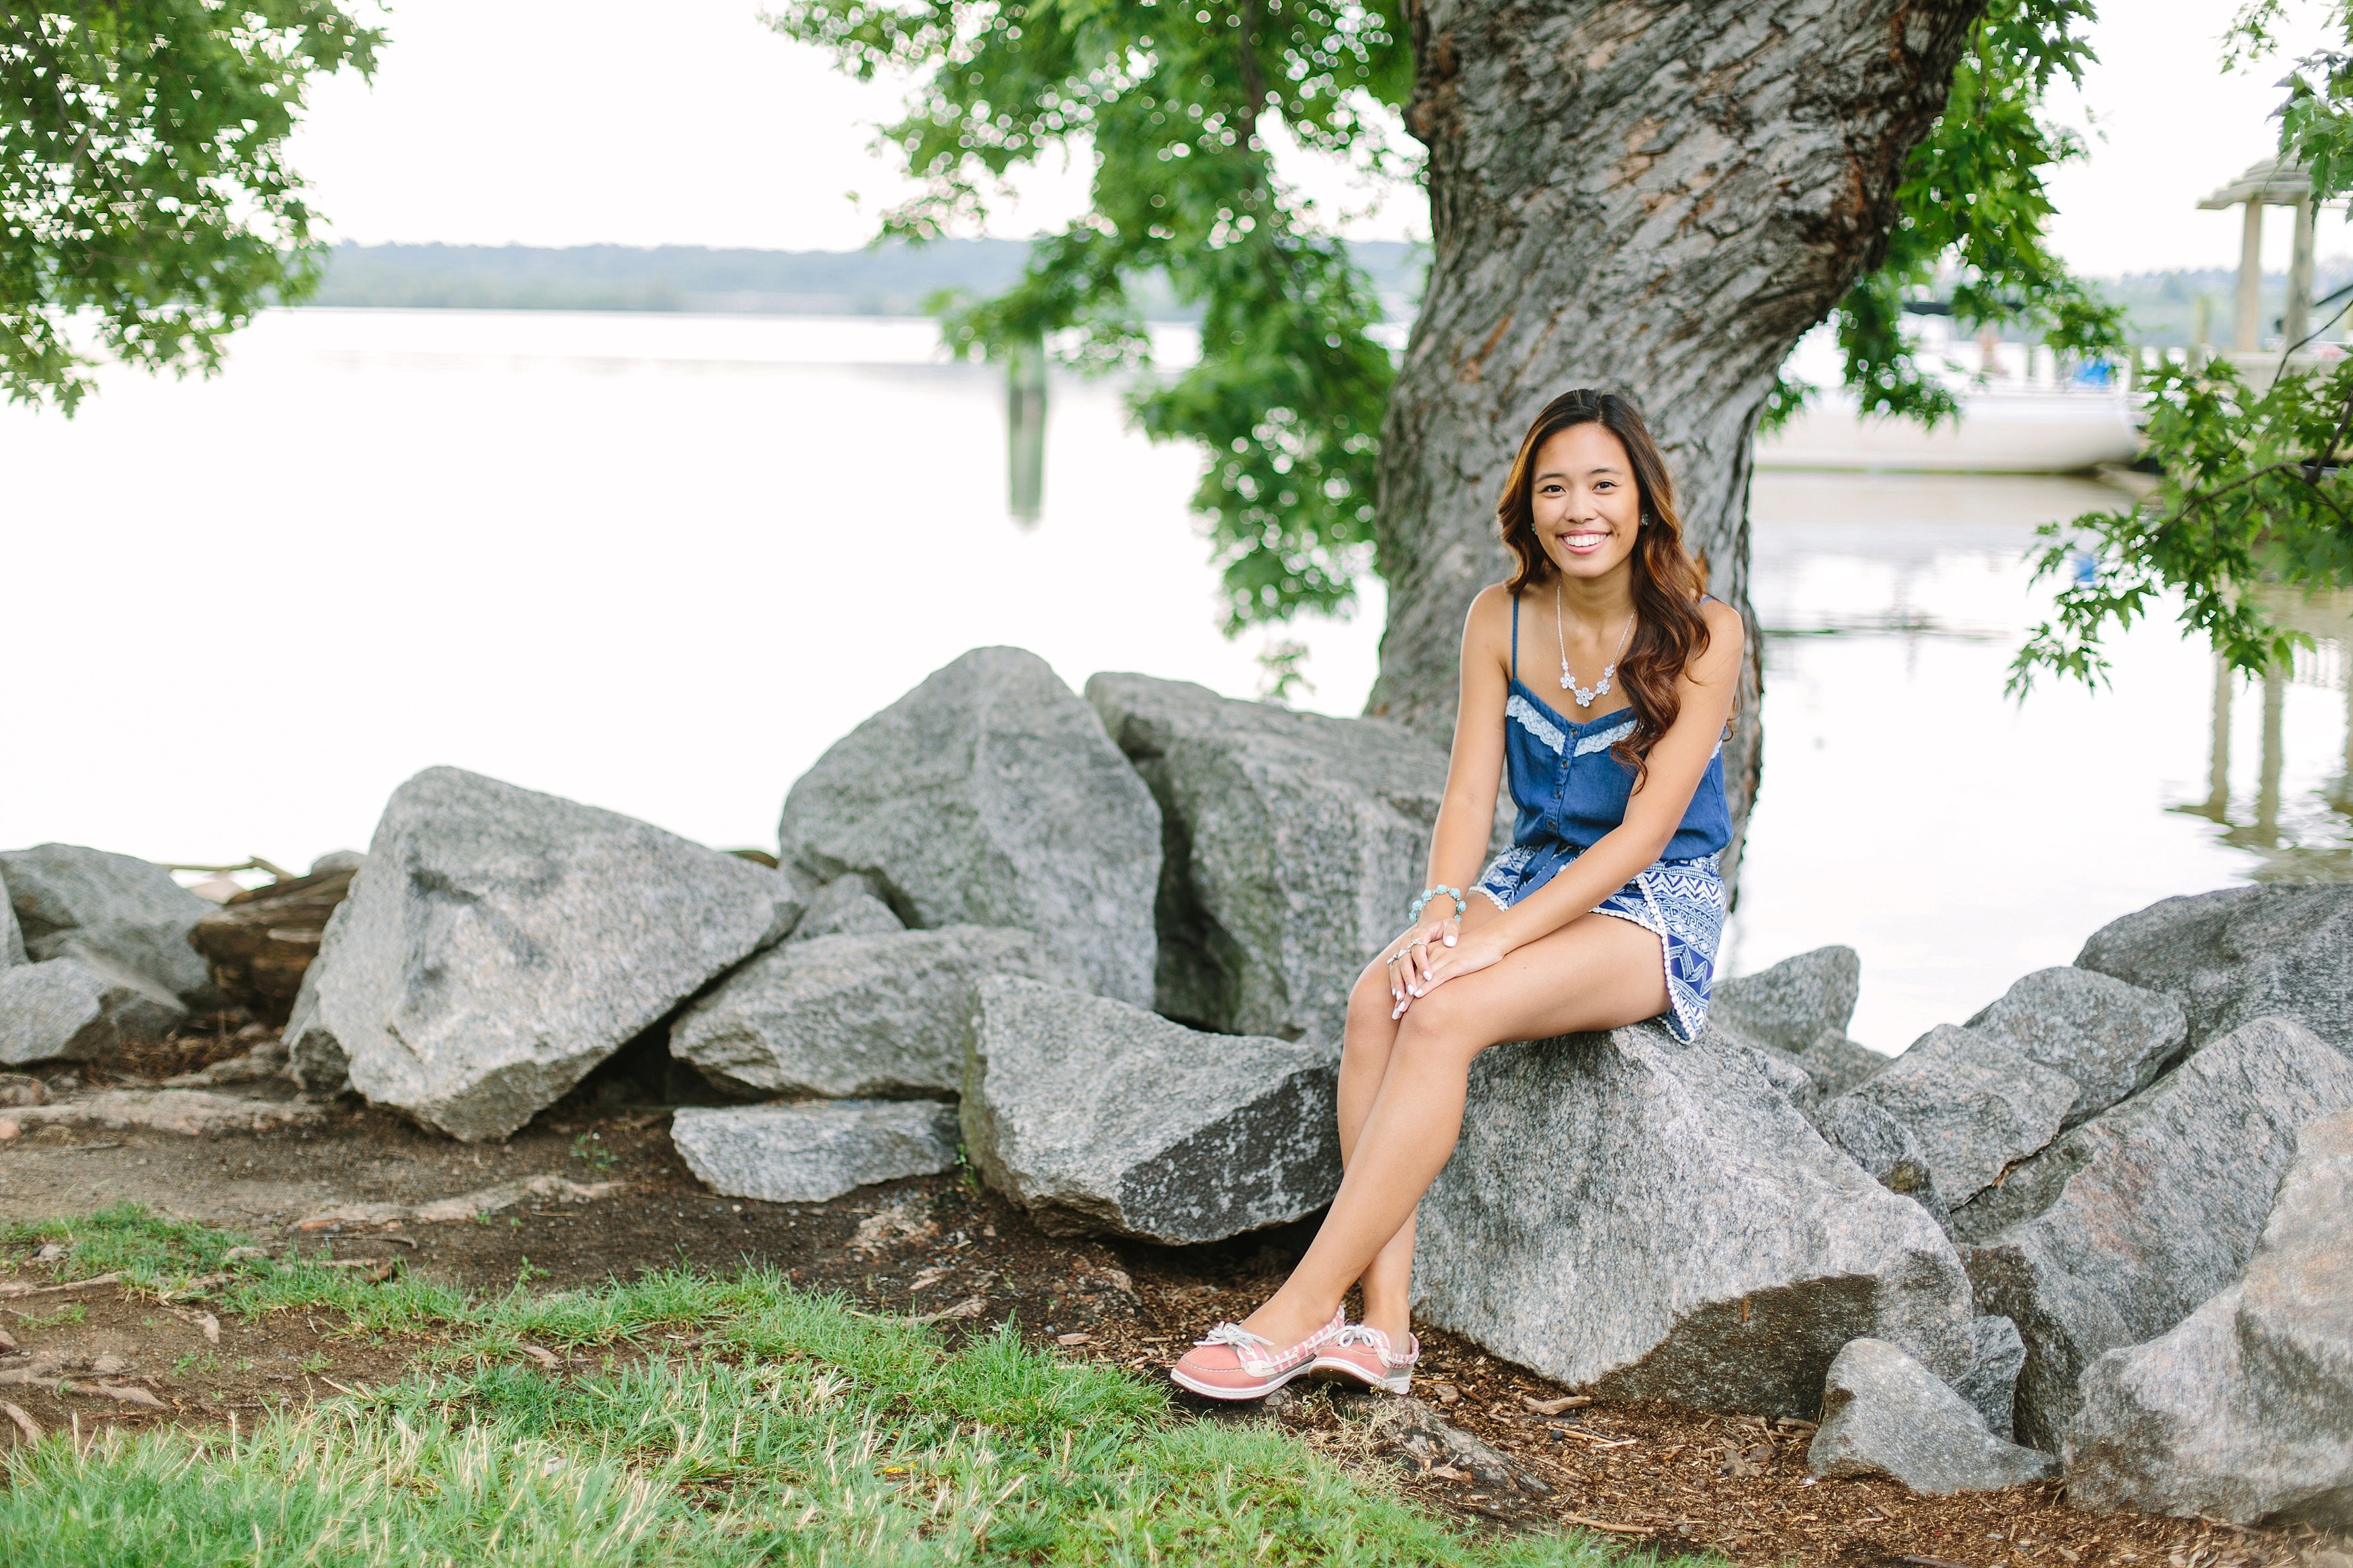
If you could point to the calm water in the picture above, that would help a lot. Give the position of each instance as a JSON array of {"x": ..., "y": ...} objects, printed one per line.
[{"x": 661, "y": 562}]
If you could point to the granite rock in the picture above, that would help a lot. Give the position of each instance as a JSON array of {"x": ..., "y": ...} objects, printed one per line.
[
  {"x": 882, "y": 1014},
  {"x": 1991, "y": 1385},
  {"x": 2128, "y": 1224},
  {"x": 1839, "y": 1064},
  {"x": 2244, "y": 1411},
  {"x": 1884, "y": 1147},
  {"x": 1656, "y": 1221},
  {"x": 1883, "y": 1414},
  {"x": 2113, "y": 1038},
  {"x": 846, "y": 906},
  {"x": 500, "y": 942},
  {"x": 11, "y": 936},
  {"x": 114, "y": 911},
  {"x": 806, "y": 1153},
  {"x": 2273, "y": 950},
  {"x": 67, "y": 1009},
  {"x": 1794, "y": 1002},
  {"x": 1784, "y": 1070},
  {"x": 1292, "y": 845},
  {"x": 315, "y": 1059},
  {"x": 1976, "y": 1106},
  {"x": 990, "y": 796},
  {"x": 1100, "y": 1118}
]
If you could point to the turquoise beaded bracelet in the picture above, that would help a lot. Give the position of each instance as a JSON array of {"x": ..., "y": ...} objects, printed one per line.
[{"x": 1461, "y": 904}]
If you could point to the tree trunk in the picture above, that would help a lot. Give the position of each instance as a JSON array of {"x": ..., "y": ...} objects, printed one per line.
[{"x": 1653, "y": 198}]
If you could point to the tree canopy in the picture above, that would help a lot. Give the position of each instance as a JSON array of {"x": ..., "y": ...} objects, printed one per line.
[
  {"x": 146, "y": 208},
  {"x": 1179, "y": 102}
]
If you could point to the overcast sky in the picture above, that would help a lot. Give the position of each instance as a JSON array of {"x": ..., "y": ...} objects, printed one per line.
[{"x": 497, "y": 121}]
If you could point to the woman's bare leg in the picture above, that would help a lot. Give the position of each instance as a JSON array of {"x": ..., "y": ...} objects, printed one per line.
[
  {"x": 1596, "y": 972},
  {"x": 1365, "y": 1052},
  {"x": 1372, "y": 1033}
]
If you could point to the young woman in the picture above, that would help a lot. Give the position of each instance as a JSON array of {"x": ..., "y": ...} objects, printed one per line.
[{"x": 1605, "y": 910}]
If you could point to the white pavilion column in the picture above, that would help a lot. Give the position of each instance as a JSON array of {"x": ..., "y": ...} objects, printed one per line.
[
  {"x": 2296, "y": 320},
  {"x": 2247, "y": 337}
]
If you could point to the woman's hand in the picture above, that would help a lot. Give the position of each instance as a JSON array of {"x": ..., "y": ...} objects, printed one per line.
[
  {"x": 1410, "y": 955},
  {"x": 1481, "y": 949}
]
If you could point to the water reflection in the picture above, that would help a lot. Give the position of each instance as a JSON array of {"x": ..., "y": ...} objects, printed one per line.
[
  {"x": 1959, "y": 840},
  {"x": 2309, "y": 837},
  {"x": 1025, "y": 432}
]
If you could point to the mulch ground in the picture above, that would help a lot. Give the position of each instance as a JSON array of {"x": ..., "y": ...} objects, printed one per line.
[{"x": 1661, "y": 1481}]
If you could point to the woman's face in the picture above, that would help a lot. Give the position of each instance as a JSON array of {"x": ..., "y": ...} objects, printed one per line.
[{"x": 1585, "y": 501}]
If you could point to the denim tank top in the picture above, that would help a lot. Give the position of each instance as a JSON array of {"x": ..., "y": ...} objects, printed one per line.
[{"x": 1570, "y": 790}]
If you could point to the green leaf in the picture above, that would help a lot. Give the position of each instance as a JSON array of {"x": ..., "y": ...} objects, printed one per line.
[
  {"x": 1973, "y": 207},
  {"x": 2256, "y": 490},
  {"x": 143, "y": 185},
  {"x": 1170, "y": 102}
]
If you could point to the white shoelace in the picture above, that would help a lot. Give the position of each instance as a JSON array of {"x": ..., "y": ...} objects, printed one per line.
[
  {"x": 1358, "y": 1334},
  {"x": 1234, "y": 1334}
]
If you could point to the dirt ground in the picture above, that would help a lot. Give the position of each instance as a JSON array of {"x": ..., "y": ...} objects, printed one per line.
[{"x": 1664, "y": 1480}]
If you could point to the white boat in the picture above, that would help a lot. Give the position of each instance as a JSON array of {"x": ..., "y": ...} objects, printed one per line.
[
  {"x": 2002, "y": 430},
  {"x": 2020, "y": 415}
]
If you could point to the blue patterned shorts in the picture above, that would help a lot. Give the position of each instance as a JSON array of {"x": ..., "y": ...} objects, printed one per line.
[{"x": 1681, "y": 900}]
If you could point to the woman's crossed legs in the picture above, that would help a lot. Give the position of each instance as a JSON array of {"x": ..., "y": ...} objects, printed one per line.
[{"x": 1403, "y": 1083}]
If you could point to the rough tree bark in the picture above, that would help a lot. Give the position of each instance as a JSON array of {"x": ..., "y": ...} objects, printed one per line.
[{"x": 1655, "y": 198}]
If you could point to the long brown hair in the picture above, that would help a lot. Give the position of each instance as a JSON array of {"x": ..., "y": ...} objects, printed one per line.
[{"x": 1669, "y": 630}]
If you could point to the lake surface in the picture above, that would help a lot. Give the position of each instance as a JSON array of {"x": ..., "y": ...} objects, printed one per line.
[{"x": 661, "y": 562}]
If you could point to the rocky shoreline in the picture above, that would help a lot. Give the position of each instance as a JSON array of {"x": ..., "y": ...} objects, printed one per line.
[{"x": 2099, "y": 1233}]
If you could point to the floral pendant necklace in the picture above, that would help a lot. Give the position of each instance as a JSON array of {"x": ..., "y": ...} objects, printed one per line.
[{"x": 1581, "y": 696}]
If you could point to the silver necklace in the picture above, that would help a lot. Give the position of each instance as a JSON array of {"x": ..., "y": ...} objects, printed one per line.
[{"x": 1582, "y": 697}]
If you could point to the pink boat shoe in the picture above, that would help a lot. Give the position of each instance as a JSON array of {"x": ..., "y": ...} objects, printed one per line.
[
  {"x": 1231, "y": 1362},
  {"x": 1365, "y": 1353}
]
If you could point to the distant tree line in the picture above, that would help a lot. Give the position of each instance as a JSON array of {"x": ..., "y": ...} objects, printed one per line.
[
  {"x": 896, "y": 279},
  {"x": 893, "y": 278}
]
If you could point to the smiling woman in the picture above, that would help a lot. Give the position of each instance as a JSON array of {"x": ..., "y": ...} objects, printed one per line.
[{"x": 1606, "y": 909}]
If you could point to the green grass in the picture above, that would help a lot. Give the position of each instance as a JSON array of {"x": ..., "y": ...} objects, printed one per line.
[{"x": 733, "y": 1421}]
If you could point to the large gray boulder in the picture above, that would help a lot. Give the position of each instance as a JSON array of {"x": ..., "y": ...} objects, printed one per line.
[
  {"x": 1990, "y": 1385},
  {"x": 807, "y": 1154},
  {"x": 1887, "y": 1148},
  {"x": 2127, "y": 1224},
  {"x": 1656, "y": 1221},
  {"x": 1784, "y": 1070},
  {"x": 990, "y": 796},
  {"x": 1796, "y": 1001},
  {"x": 1100, "y": 1118},
  {"x": 2111, "y": 1037},
  {"x": 1292, "y": 846},
  {"x": 2245, "y": 1411},
  {"x": 1883, "y": 1414},
  {"x": 846, "y": 906},
  {"x": 1839, "y": 1064},
  {"x": 114, "y": 911},
  {"x": 314, "y": 1057},
  {"x": 500, "y": 942},
  {"x": 12, "y": 936},
  {"x": 1976, "y": 1107},
  {"x": 882, "y": 1014},
  {"x": 2273, "y": 949},
  {"x": 65, "y": 1009}
]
